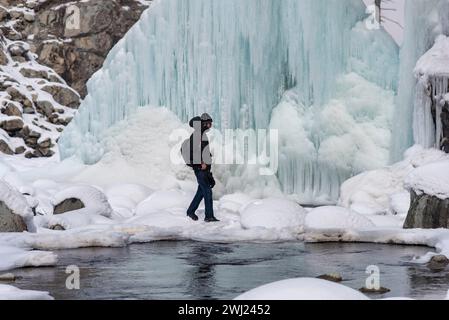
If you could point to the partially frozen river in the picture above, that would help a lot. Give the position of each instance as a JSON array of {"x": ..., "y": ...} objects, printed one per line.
[{"x": 194, "y": 270}]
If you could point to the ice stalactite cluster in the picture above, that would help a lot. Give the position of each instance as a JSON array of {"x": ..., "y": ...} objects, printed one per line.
[
  {"x": 425, "y": 21},
  {"x": 236, "y": 60},
  {"x": 432, "y": 73}
]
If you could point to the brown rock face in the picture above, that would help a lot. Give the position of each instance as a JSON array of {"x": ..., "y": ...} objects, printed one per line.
[
  {"x": 101, "y": 25},
  {"x": 63, "y": 95},
  {"x": 59, "y": 44},
  {"x": 427, "y": 212},
  {"x": 10, "y": 222}
]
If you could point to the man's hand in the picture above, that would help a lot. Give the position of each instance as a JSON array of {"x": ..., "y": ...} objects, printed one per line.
[{"x": 203, "y": 166}]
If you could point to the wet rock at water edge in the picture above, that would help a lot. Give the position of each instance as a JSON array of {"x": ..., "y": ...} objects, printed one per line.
[
  {"x": 438, "y": 262},
  {"x": 380, "y": 290},
  {"x": 7, "y": 277},
  {"x": 67, "y": 205},
  {"x": 334, "y": 277}
]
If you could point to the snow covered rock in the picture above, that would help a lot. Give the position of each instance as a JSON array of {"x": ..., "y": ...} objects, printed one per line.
[
  {"x": 273, "y": 213},
  {"x": 302, "y": 289},
  {"x": 8, "y": 292},
  {"x": 429, "y": 189},
  {"x": 15, "y": 212},
  {"x": 431, "y": 112},
  {"x": 336, "y": 218},
  {"x": 234, "y": 202},
  {"x": 381, "y": 191},
  {"x": 93, "y": 200}
]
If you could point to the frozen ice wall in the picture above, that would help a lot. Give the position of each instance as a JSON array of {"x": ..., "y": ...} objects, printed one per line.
[
  {"x": 425, "y": 20},
  {"x": 236, "y": 59}
]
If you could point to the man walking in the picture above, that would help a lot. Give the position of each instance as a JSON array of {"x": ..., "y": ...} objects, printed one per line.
[{"x": 196, "y": 154}]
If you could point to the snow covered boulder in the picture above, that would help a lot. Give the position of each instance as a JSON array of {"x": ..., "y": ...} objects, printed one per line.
[
  {"x": 429, "y": 189},
  {"x": 273, "y": 213},
  {"x": 15, "y": 213},
  {"x": 303, "y": 289},
  {"x": 336, "y": 218},
  {"x": 85, "y": 199},
  {"x": 162, "y": 200},
  {"x": 234, "y": 202}
]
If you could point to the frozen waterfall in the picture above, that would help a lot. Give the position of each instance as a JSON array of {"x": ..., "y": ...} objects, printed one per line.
[
  {"x": 310, "y": 68},
  {"x": 425, "y": 20}
]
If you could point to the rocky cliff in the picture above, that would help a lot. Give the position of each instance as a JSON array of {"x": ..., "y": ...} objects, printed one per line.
[{"x": 48, "y": 51}]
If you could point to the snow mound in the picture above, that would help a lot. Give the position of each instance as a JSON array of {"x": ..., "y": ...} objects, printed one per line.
[
  {"x": 12, "y": 257},
  {"x": 336, "y": 218},
  {"x": 12, "y": 293},
  {"x": 302, "y": 289},
  {"x": 273, "y": 213},
  {"x": 74, "y": 219},
  {"x": 234, "y": 202},
  {"x": 435, "y": 61},
  {"x": 164, "y": 199},
  {"x": 94, "y": 200},
  {"x": 432, "y": 179},
  {"x": 135, "y": 192},
  {"x": 377, "y": 192},
  {"x": 17, "y": 202}
]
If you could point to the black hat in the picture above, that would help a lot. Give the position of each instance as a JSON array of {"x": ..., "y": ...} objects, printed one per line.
[{"x": 205, "y": 117}]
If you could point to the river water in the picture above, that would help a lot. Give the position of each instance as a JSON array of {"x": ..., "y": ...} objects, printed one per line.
[{"x": 195, "y": 270}]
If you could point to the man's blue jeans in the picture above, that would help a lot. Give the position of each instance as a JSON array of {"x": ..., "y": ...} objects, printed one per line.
[{"x": 204, "y": 192}]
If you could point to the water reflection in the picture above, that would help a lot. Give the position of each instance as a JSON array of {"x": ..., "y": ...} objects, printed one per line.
[{"x": 192, "y": 270}]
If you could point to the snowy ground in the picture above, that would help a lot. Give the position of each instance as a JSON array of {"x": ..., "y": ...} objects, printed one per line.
[{"x": 123, "y": 205}]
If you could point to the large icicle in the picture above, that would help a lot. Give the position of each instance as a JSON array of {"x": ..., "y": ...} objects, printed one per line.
[{"x": 235, "y": 59}]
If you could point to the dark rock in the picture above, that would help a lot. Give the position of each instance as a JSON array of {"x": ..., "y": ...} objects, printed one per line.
[
  {"x": 45, "y": 107},
  {"x": 10, "y": 222},
  {"x": 3, "y": 57},
  {"x": 63, "y": 95},
  {"x": 334, "y": 277},
  {"x": 30, "y": 155},
  {"x": 381, "y": 290},
  {"x": 438, "y": 262},
  {"x": 12, "y": 110},
  {"x": 31, "y": 73},
  {"x": 7, "y": 277},
  {"x": 4, "y": 147},
  {"x": 427, "y": 212},
  {"x": 68, "y": 205},
  {"x": 20, "y": 150},
  {"x": 57, "y": 227},
  {"x": 12, "y": 125}
]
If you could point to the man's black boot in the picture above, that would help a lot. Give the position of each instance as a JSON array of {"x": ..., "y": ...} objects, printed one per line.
[
  {"x": 193, "y": 216},
  {"x": 213, "y": 219}
]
